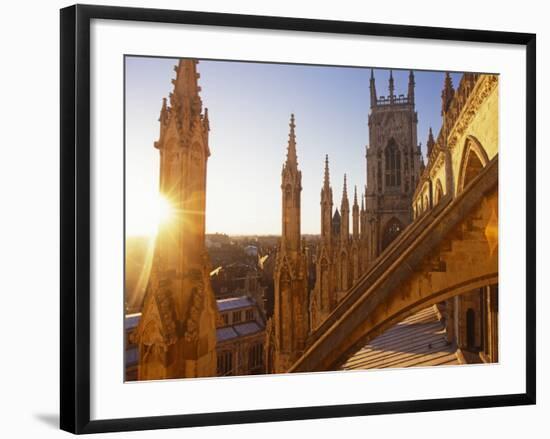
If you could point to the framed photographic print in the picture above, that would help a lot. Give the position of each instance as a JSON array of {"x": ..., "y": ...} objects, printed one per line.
[{"x": 268, "y": 218}]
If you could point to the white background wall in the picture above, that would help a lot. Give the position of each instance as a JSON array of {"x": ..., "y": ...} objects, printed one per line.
[{"x": 29, "y": 248}]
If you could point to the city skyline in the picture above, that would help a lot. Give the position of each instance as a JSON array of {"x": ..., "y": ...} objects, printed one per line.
[{"x": 249, "y": 108}]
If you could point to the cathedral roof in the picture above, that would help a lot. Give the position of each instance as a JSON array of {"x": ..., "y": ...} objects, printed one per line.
[{"x": 419, "y": 340}]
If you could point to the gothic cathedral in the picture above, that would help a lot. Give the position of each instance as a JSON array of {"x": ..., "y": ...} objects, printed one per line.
[
  {"x": 177, "y": 332},
  {"x": 394, "y": 164}
]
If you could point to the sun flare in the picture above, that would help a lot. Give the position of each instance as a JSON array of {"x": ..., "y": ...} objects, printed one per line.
[
  {"x": 146, "y": 213},
  {"x": 164, "y": 210}
]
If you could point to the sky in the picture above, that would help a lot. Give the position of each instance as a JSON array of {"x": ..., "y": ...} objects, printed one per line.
[{"x": 249, "y": 106}]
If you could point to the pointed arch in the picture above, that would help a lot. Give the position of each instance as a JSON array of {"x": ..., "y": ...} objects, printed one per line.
[
  {"x": 288, "y": 195},
  {"x": 438, "y": 192},
  {"x": 197, "y": 154},
  {"x": 324, "y": 284},
  {"x": 474, "y": 159},
  {"x": 470, "y": 329},
  {"x": 344, "y": 271},
  {"x": 392, "y": 160}
]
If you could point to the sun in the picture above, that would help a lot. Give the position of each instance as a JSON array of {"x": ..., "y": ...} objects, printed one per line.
[
  {"x": 146, "y": 212},
  {"x": 164, "y": 210}
]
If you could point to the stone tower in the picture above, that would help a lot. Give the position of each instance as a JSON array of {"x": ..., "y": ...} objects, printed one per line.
[
  {"x": 177, "y": 331},
  {"x": 355, "y": 241},
  {"x": 323, "y": 298},
  {"x": 393, "y": 165},
  {"x": 343, "y": 265},
  {"x": 291, "y": 317}
]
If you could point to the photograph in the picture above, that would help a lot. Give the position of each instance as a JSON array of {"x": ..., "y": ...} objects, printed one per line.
[
  {"x": 270, "y": 220},
  {"x": 297, "y": 218}
]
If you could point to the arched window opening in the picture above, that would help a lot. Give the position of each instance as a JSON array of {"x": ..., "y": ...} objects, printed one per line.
[
  {"x": 344, "y": 273},
  {"x": 473, "y": 168},
  {"x": 393, "y": 165},
  {"x": 474, "y": 159},
  {"x": 470, "y": 328},
  {"x": 324, "y": 283},
  {"x": 438, "y": 192},
  {"x": 392, "y": 230},
  {"x": 256, "y": 358},
  {"x": 225, "y": 363}
]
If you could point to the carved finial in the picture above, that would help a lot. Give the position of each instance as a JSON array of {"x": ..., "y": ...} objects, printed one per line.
[
  {"x": 345, "y": 201},
  {"x": 291, "y": 158},
  {"x": 206, "y": 120},
  {"x": 373, "y": 97},
  {"x": 185, "y": 98},
  {"x": 411, "y": 87},
  {"x": 391, "y": 87},
  {"x": 355, "y": 196},
  {"x": 327, "y": 173},
  {"x": 163, "y": 111},
  {"x": 345, "y": 192},
  {"x": 447, "y": 93},
  {"x": 431, "y": 142}
]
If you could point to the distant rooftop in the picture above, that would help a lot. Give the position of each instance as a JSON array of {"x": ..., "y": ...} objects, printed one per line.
[
  {"x": 131, "y": 320},
  {"x": 240, "y": 330},
  {"x": 234, "y": 303}
]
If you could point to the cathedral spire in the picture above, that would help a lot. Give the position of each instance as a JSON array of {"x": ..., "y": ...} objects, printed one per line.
[
  {"x": 431, "y": 142},
  {"x": 291, "y": 158},
  {"x": 355, "y": 214},
  {"x": 291, "y": 186},
  {"x": 326, "y": 206},
  {"x": 326, "y": 184},
  {"x": 345, "y": 193},
  {"x": 391, "y": 87},
  {"x": 363, "y": 219},
  {"x": 182, "y": 127},
  {"x": 186, "y": 89},
  {"x": 290, "y": 315},
  {"x": 447, "y": 93},
  {"x": 344, "y": 213},
  {"x": 163, "y": 118},
  {"x": 373, "y": 97},
  {"x": 410, "y": 94}
]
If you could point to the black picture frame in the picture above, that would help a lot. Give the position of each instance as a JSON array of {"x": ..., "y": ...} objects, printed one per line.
[{"x": 75, "y": 217}]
